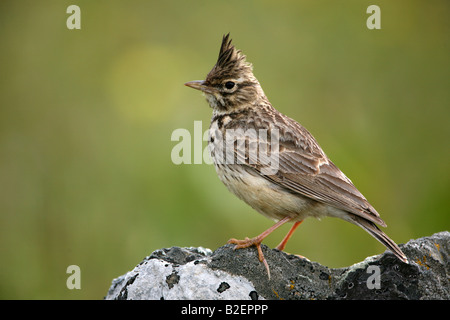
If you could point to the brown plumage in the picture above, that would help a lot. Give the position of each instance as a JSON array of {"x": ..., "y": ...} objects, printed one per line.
[{"x": 305, "y": 183}]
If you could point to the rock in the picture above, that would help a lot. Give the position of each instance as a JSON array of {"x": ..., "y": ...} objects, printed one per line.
[{"x": 200, "y": 274}]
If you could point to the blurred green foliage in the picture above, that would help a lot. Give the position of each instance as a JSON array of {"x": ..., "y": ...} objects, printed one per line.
[{"x": 86, "y": 118}]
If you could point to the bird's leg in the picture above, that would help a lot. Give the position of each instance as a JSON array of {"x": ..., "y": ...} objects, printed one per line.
[
  {"x": 256, "y": 241},
  {"x": 288, "y": 236}
]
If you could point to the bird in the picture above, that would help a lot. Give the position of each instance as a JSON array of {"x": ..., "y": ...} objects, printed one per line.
[{"x": 303, "y": 182}]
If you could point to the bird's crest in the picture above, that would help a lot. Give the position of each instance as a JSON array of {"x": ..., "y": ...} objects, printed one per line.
[{"x": 231, "y": 62}]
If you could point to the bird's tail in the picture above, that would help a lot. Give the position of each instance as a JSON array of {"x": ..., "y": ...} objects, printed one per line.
[{"x": 375, "y": 232}]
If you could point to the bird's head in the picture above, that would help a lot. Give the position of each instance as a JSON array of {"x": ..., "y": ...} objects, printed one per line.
[{"x": 230, "y": 84}]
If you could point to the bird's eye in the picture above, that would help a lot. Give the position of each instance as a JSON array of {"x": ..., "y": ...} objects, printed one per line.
[{"x": 229, "y": 85}]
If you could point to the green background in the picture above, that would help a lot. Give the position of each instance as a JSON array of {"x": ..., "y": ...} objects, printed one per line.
[{"x": 86, "y": 118}]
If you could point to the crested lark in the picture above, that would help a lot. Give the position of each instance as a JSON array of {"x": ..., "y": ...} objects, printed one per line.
[{"x": 305, "y": 183}]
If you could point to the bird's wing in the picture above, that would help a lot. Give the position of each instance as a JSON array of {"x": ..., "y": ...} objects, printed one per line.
[
  {"x": 327, "y": 184},
  {"x": 305, "y": 169}
]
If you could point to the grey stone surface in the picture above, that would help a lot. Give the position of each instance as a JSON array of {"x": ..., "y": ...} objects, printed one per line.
[{"x": 199, "y": 274}]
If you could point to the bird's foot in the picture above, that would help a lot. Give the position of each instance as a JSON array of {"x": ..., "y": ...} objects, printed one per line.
[{"x": 256, "y": 241}]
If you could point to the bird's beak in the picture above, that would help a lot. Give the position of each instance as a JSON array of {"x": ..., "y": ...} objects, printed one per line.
[{"x": 199, "y": 85}]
